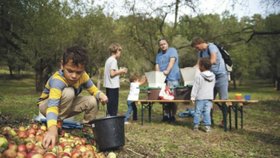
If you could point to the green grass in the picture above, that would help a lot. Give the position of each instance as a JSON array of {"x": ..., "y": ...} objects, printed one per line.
[{"x": 260, "y": 136}]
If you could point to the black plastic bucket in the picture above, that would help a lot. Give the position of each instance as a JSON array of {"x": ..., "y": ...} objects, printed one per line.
[{"x": 109, "y": 132}]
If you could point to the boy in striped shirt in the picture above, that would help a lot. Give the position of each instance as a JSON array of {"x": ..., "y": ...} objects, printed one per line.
[{"x": 60, "y": 100}]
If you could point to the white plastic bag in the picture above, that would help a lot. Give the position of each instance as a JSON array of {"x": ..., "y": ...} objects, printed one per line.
[{"x": 165, "y": 93}]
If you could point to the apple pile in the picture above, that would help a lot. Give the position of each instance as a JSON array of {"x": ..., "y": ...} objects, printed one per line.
[{"x": 26, "y": 142}]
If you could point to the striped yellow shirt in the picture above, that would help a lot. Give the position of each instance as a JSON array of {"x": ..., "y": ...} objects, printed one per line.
[{"x": 53, "y": 91}]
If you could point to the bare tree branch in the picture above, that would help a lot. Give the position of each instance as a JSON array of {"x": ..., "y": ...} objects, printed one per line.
[{"x": 256, "y": 33}]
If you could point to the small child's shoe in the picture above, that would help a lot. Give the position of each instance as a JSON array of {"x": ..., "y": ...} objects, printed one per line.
[
  {"x": 195, "y": 128},
  {"x": 207, "y": 129},
  {"x": 126, "y": 123}
]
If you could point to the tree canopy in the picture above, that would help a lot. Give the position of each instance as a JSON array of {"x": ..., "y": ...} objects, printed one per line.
[{"x": 34, "y": 33}]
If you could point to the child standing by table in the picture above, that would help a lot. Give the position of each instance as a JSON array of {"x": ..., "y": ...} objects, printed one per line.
[
  {"x": 202, "y": 94},
  {"x": 133, "y": 95}
]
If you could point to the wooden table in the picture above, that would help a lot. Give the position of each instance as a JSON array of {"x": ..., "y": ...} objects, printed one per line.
[{"x": 225, "y": 105}]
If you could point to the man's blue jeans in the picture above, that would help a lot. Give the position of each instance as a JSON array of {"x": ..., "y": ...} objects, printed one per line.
[{"x": 202, "y": 108}]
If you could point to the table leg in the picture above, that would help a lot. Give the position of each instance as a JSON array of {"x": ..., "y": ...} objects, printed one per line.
[
  {"x": 142, "y": 113},
  {"x": 150, "y": 112},
  {"x": 229, "y": 113},
  {"x": 236, "y": 116},
  {"x": 241, "y": 115},
  {"x": 224, "y": 107}
]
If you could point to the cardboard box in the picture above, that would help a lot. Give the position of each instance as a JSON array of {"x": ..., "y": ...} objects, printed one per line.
[
  {"x": 188, "y": 74},
  {"x": 155, "y": 79}
]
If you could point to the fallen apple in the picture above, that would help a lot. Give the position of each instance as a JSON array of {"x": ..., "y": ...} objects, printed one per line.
[
  {"x": 22, "y": 134},
  {"x": 34, "y": 126},
  {"x": 29, "y": 146},
  {"x": 21, "y": 148},
  {"x": 21, "y": 154},
  {"x": 10, "y": 153},
  {"x": 12, "y": 146},
  {"x": 50, "y": 155},
  {"x": 111, "y": 155},
  {"x": 21, "y": 128},
  {"x": 88, "y": 154},
  {"x": 36, "y": 155},
  {"x": 43, "y": 128},
  {"x": 3, "y": 143}
]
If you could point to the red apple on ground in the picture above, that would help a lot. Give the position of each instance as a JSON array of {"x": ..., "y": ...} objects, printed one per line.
[
  {"x": 39, "y": 150},
  {"x": 39, "y": 138},
  {"x": 82, "y": 148},
  {"x": 21, "y": 148},
  {"x": 50, "y": 155},
  {"x": 13, "y": 146},
  {"x": 10, "y": 153},
  {"x": 64, "y": 155},
  {"x": 22, "y": 134},
  {"x": 29, "y": 146},
  {"x": 21, "y": 154},
  {"x": 88, "y": 154},
  {"x": 83, "y": 140},
  {"x": 76, "y": 154},
  {"x": 34, "y": 126},
  {"x": 31, "y": 131}
]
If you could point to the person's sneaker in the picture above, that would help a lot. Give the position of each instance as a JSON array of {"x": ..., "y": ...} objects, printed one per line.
[
  {"x": 126, "y": 123},
  {"x": 207, "y": 129},
  {"x": 165, "y": 119},
  {"x": 195, "y": 127},
  {"x": 172, "y": 119}
]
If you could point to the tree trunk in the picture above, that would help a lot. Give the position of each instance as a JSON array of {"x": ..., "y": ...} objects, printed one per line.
[
  {"x": 11, "y": 71},
  {"x": 39, "y": 81},
  {"x": 39, "y": 72},
  {"x": 278, "y": 84},
  {"x": 233, "y": 80},
  {"x": 99, "y": 79}
]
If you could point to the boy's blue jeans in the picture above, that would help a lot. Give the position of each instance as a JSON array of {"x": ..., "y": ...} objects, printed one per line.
[
  {"x": 202, "y": 108},
  {"x": 131, "y": 107}
]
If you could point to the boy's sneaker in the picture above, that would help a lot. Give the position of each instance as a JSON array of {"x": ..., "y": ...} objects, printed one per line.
[
  {"x": 207, "y": 129},
  {"x": 172, "y": 119},
  {"x": 126, "y": 122},
  {"x": 165, "y": 119},
  {"x": 195, "y": 127}
]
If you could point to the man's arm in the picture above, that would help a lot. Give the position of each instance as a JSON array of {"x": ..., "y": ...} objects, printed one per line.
[
  {"x": 157, "y": 67},
  {"x": 170, "y": 65},
  {"x": 213, "y": 57}
]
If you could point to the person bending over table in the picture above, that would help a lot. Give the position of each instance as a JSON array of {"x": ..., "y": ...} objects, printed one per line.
[{"x": 218, "y": 67}]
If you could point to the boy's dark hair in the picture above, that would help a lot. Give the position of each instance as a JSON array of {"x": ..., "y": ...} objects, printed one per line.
[
  {"x": 205, "y": 62},
  {"x": 133, "y": 77},
  {"x": 114, "y": 47},
  {"x": 77, "y": 54},
  {"x": 197, "y": 40}
]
